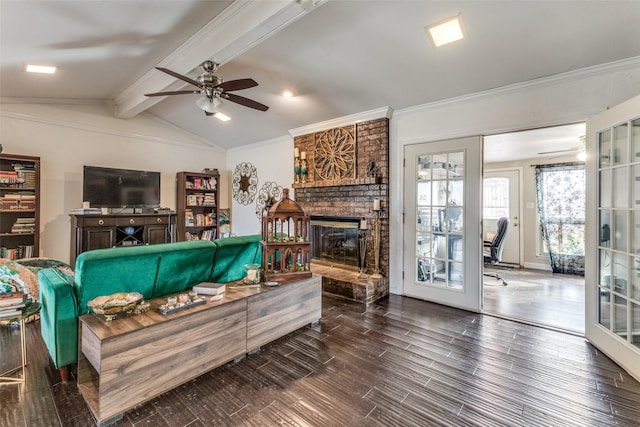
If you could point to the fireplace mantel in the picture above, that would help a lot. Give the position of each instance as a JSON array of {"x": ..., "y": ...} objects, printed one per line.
[{"x": 338, "y": 183}]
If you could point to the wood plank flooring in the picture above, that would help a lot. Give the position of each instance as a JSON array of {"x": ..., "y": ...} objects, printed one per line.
[
  {"x": 399, "y": 362},
  {"x": 538, "y": 297}
]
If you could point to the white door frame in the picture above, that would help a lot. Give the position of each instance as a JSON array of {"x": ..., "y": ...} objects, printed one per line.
[{"x": 520, "y": 171}]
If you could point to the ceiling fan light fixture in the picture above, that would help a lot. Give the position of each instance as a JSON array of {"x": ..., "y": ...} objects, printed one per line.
[
  {"x": 209, "y": 105},
  {"x": 446, "y": 31},
  {"x": 288, "y": 93}
]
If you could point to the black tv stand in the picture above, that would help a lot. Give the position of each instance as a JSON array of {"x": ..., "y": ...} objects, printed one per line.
[{"x": 90, "y": 232}]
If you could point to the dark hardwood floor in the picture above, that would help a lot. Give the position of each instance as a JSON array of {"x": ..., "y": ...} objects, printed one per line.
[
  {"x": 399, "y": 362},
  {"x": 538, "y": 297}
]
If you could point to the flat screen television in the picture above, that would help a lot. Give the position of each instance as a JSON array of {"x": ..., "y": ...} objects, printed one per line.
[{"x": 120, "y": 188}]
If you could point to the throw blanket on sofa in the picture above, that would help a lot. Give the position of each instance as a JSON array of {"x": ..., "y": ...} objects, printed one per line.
[{"x": 22, "y": 274}]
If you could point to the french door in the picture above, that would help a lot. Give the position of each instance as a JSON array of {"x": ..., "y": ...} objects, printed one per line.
[
  {"x": 612, "y": 276},
  {"x": 442, "y": 245}
]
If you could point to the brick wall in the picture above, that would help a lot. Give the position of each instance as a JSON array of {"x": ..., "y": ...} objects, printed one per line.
[{"x": 353, "y": 197}]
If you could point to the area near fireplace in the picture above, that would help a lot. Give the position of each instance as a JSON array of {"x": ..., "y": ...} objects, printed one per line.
[
  {"x": 350, "y": 198},
  {"x": 334, "y": 241}
]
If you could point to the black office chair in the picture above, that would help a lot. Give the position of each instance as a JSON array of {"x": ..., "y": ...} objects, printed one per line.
[{"x": 492, "y": 250}]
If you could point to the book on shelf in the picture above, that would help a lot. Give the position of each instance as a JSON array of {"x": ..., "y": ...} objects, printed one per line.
[
  {"x": 24, "y": 225},
  {"x": 22, "y": 251},
  {"x": 202, "y": 184},
  {"x": 208, "y": 234},
  {"x": 188, "y": 218},
  {"x": 20, "y": 196},
  {"x": 209, "y": 199},
  {"x": 17, "y": 204},
  {"x": 8, "y": 177}
]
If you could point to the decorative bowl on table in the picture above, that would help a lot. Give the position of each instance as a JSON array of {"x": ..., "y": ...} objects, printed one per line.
[{"x": 113, "y": 305}]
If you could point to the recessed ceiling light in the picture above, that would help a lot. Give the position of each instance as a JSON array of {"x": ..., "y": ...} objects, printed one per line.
[
  {"x": 287, "y": 93},
  {"x": 44, "y": 69},
  {"x": 447, "y": 31}
]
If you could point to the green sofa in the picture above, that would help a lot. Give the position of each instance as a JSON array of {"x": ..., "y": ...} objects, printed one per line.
[{"x": 154, "y": 271}]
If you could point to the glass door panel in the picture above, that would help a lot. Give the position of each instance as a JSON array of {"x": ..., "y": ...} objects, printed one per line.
[
  {"x": 612, "y": 303},
  {"x": 437, "y": 209}
]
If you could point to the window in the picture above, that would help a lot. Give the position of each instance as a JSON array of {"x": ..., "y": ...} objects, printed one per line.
[
  {"x": 560, "y": 193},
  {"x": 496, "y": 197}
]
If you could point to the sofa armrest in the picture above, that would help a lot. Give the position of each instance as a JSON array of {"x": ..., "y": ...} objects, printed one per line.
[{"x": 59, "y": 316}]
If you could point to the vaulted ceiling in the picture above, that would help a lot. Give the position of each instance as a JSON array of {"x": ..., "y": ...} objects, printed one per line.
[{"x": 338, "y": 57}]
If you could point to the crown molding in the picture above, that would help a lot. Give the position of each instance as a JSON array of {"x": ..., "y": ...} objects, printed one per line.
[
  {"x": 107, "y": 131},
  {"x": 379, "y": 113},
  {"x": 58, "y": 101},
  {"x": 625, "y": 64}
]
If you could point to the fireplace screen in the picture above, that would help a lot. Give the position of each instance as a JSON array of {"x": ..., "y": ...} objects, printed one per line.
[{"x": 335, "y": 240}]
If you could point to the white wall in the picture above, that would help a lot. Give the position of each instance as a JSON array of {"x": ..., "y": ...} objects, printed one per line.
[
  {"x": 561, "y": 99},
  {"x": 68, "y": 137},
  {"x": 273, "y": 160}
]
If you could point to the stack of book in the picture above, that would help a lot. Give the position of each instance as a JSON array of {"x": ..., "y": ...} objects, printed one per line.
[
  {"x": 209, "y": 199},
  {"x": 11, "y": 304},
  {"x": 215, "y": 291},
  {"x": 18, "y": 201},
  {"x": 24, "y": 225},
  {"x": 8, "y": 177}
]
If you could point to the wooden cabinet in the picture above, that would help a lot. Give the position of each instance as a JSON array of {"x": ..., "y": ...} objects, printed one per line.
[
  {"x": 197, "y": 205},
  {"x": 19, "y": 206},
  {"x": 89, "y": 232}
]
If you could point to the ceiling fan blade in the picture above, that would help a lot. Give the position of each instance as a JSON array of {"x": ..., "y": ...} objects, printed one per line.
[
  {"x": 206, "y": 113},
  {"x": 175, "y": 92},
  {"x": 245, "y": 101},
  {"x": 178, "y": 76},
  {"x": 238, "y": 84}
]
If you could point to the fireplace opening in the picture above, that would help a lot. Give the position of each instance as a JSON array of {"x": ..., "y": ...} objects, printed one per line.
[{"x": 334, "y": 241}]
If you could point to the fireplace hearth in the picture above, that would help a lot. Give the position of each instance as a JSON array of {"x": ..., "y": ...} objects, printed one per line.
[{"x": 334, "y": 241}]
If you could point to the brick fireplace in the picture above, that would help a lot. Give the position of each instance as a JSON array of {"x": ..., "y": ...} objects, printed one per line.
[
  {"x": 335, "y": 241},
  {"x": 348, "y": 169}
]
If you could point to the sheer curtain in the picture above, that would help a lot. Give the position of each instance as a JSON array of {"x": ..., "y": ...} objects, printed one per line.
[{"x": 560, "y": 193}]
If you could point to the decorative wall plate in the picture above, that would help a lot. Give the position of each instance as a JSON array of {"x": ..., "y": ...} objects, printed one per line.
[
  {"x": 269, "y": 194},
  {"x": 245, "y": 183},
  {"x": 334, "y": 155}
]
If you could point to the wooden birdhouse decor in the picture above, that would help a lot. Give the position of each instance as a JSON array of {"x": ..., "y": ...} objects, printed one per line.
[{"x": 286, "y": 248}]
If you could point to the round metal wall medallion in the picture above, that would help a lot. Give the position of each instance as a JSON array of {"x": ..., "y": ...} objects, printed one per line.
[{"x": 245, "y": 183}]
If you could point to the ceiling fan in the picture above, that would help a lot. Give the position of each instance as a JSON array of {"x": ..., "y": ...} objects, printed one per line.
[{"x": 213, "y": 89}]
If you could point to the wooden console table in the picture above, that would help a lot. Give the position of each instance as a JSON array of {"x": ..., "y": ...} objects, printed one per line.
[{"x": 131, "y": 360}]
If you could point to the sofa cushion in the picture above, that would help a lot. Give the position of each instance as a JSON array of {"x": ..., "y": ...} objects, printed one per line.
[
  {"x": 122, "y": 269},
  {"x": 231, "y": 256},
  {"x": 184, "y": 266}
]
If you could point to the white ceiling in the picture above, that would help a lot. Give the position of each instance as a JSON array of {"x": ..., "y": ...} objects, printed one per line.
[{"x": 341, "y": 57}]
